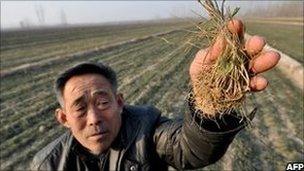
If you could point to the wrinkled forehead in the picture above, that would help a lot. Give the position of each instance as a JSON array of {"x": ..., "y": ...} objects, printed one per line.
[{"x": 90, "y": 84}]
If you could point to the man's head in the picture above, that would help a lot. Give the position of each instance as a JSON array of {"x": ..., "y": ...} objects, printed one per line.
[{"x": 90, "y": 106}]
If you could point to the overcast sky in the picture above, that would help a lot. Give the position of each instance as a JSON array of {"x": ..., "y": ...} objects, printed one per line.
[{"x": 76, "y": 12}]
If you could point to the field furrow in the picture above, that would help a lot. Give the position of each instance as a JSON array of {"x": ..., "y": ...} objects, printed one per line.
[
  {"x": 18, "y": 129},
  {"x": 151, "y": 71}
]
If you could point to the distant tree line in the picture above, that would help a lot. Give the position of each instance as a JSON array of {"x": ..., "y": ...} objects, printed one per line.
[
  {"x": 41, "y": 21},
  {"x": 281, "y": 9}
]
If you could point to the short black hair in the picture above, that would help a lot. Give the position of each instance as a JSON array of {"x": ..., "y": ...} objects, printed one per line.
[{"x": 81, "y": 69}]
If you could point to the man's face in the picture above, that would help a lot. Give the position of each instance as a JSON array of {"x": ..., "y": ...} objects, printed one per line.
[{"x": 92, "y": 111}]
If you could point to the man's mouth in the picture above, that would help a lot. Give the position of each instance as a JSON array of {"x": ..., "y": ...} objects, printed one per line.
[{"x": 98, "y": 135}]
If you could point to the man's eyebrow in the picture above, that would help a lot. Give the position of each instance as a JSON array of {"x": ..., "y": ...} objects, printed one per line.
[{"x": 101, "y": 92}]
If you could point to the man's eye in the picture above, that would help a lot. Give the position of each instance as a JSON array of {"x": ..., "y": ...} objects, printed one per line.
[
  {"x": 102, "y": 104},
  {"x": 79, "y": 111},
  {"x": 80, "y": 108}
]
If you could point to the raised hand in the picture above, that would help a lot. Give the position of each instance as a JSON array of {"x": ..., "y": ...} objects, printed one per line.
[{"x": 261, "y": 60}]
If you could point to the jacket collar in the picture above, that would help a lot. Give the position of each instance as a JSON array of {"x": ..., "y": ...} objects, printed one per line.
[
  {"x": 128, "y": 132},
  {"x": 129, "y": 129},
  {"x": 84, "y": 154}
]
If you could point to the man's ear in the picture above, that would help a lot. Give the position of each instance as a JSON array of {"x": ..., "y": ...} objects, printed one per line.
[
  {"x": 120, "y": 100},
  {"x": 61, "y": 117}
]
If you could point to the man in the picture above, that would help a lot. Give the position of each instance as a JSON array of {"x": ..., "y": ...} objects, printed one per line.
[{"x": 106, "y": 134}]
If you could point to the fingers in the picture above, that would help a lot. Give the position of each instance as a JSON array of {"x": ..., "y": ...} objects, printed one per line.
[
  {"x": 255, "y": 45},
  {"x": 258, "y": 83},
  {"x": 265, "y": 62},
  {"x": 236, "y": 27}
]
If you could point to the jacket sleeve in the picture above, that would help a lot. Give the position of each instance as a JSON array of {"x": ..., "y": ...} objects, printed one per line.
[{"x": 193, "y": 142}]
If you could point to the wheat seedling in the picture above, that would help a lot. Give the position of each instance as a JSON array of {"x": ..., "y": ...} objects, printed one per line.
[{"x": 222, "y": 87}]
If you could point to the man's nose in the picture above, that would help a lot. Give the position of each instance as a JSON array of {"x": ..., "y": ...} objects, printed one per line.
[{"x": 94, "y": 116}]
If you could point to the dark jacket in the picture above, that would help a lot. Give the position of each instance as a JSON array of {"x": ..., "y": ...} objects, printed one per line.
[{"x": 147, "y": 141}]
